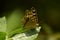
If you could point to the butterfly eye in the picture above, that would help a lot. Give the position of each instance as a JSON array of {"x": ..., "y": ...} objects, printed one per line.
[{"x": 33, "y": 10}]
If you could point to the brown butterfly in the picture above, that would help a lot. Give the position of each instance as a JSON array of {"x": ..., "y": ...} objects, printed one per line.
[{"x": 30, "y": 20}]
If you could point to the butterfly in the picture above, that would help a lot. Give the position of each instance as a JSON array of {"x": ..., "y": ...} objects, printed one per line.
[{"x": 30, "y": 20}]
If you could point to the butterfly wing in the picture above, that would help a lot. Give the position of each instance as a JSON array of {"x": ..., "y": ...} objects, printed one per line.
[{"x": 30, "y": 19}]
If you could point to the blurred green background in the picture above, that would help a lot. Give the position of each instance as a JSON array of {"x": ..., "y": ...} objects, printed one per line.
[{"x": 48, "y": 12}]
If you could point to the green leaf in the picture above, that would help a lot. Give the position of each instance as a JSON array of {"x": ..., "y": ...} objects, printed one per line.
[{"x": 2, "y": 35}]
